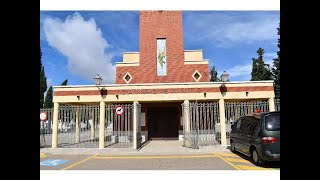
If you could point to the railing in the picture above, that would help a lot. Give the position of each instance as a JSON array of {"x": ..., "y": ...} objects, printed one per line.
[
  {"x": 78, "y": 126},
  {"x": 234, "y": 110},
  {"x": 46, "y": 129},
  {"x": 277, "y": 104},
  {"x": 119, "y": 128},
  {"x": 203, "y": 123}
]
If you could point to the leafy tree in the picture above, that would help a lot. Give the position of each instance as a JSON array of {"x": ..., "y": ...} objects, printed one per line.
[
  {"x": 48, "y": 101},
  {"x": 64, "y": 83},
  {"x": 43, "y": 82},
  {"x": 260, "y": 70},
  {"x": 276, "y": 68},
  {"x": 213, "y": 75}
]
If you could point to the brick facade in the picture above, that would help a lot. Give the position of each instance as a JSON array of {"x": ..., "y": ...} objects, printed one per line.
[{"x": 168, "y": 25}]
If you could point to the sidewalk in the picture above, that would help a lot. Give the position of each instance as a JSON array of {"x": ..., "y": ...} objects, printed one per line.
[{"x": 152, "y": 148}]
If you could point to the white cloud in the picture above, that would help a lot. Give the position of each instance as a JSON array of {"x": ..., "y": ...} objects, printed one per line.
[
  {"x": 240, "y": 70},
  {"x": 83, "y": 44},
  {"x": 243, "y": 72},
  {"x": 245, "y": 32},
  {"x": 226, "y": 29},
  {"x": 270, "y": 55}
]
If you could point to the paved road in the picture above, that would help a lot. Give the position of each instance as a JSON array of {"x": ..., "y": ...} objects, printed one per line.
[{"x": 211, "y": 161}]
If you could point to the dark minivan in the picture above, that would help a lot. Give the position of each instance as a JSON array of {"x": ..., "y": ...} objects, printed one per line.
[{"x": 257, "y": 136}]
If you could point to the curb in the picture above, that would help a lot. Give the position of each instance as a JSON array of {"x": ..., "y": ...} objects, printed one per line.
[{"x": 86, "y": 151}]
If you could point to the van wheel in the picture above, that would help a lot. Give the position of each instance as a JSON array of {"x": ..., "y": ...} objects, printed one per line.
[
  {"x": 255, "y": 157},
  {"x": 232, "y": 147}
]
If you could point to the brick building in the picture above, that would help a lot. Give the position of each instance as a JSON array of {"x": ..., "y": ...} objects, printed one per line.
[{"x": 162, "y": 82}]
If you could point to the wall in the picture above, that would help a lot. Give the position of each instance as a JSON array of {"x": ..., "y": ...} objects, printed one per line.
[
  {"x": 164, "y": 92},
  {"x": 193, "y": 55},
  {"x": 131, "y": 57}
]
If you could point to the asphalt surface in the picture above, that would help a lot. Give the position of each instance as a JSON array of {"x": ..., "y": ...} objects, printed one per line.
[{"x": 210, "y": 161}]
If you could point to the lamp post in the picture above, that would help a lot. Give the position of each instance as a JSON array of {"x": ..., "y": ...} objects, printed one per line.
[
  {"x": 98, "y": 80},
  {"x": 224, "y": 78}
]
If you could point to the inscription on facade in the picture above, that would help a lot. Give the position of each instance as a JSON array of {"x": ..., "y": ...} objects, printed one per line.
[{"x": 161, "y": 91}]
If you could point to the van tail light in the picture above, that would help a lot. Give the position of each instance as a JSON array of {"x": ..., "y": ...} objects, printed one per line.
[{"x": 269, "y": 139}]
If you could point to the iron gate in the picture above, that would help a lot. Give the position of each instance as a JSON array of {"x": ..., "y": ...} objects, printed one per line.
[
  {"x": 234, "y": 110},
  {"x": 203, "y": 123},
  {"x": 78, "y": 126},
  {"x": 46, "y": 129},
  {"x": 119, "y": 128}
]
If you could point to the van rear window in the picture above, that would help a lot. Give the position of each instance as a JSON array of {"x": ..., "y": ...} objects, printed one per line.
[{"x": 272, "y": 122}]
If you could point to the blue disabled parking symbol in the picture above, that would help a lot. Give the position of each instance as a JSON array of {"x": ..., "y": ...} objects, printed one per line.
[{"x": 52, "y": 162}]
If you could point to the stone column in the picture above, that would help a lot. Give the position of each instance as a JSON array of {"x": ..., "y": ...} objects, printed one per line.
[
  {"x": 186, "y": 124},
  {"x": 92, "y": 130},
  {"x": 271, "y": 104},
  {"x": 222, "y": 123},
  {"x": 78, "y": 126},
  {"x": 102, "y": 124},
  {"x": 55, "y": 125}
]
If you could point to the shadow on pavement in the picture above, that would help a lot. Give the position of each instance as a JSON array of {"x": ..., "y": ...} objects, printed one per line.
[{"x": 265, "y": 165}]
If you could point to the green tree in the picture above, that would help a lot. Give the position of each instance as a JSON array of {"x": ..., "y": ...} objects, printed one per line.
[
  {"x": 43, "y": 82},
  {"x": 213, "y": 74},
  {"x": 48, "y": 101},
  {"x": 64, "y": 83},
  {"x": 276, "y": 68},
  {"x": 260, "y": 70}
]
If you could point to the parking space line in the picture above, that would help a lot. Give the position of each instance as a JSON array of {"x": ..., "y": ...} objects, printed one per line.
[
  {"x": 151, "y": 157},
  {"x": 231, "y": 164},
  {"x": 253, "y": 168},
  {"x": 241, "y": 167},
  {"x": 228, "y": 154},
  {"x": 238, "y": 160},
  {"x": 42, "y": 155},
  {"x": 72, "y": 165}
]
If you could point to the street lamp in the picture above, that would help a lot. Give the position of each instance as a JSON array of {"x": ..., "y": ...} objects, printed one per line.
[
  {"x": 267, "y": 66},
  {"x": 98, "y": 80},
  {"x": 224, "y": 78}
]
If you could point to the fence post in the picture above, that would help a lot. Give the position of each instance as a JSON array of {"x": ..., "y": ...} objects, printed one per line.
[
  {"x": 135, "y": 125},
  {"x": 102, "y": 124},
  {"x": 222, "y": 122},
  {"x": 271, "y": 104},
  {"x": 55, "y": 125},
  {"x": 93, "y": 124},
  {"x": 77, "y": 125}
]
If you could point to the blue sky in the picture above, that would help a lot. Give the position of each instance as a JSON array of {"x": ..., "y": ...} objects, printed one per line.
[{"x": 78, "y": 44}]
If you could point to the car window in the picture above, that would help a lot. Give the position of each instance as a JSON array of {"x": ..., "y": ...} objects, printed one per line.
[
  {"x": 244, "y": 127},
  {"x": 272, "y": 122},
  {"x": 253, "y": 126},
  {"x": 238, "y": 123}
]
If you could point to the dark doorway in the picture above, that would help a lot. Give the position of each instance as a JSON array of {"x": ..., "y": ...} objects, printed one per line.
[{"x": 163, "y": 122}]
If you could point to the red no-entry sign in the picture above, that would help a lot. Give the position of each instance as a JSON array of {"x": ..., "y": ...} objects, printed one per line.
[
  {"x": 118, "y": 110},
  {"x": 43, "y": 116}
]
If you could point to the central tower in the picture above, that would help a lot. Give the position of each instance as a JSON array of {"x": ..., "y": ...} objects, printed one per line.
[
  {"x": 162, "y": 58},
  {"x": 161, "y": 32}
]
